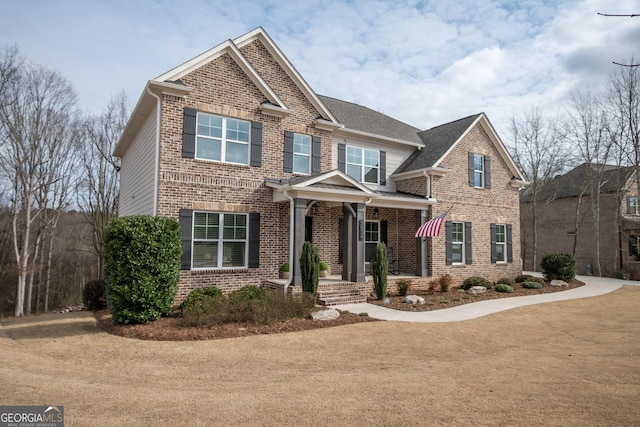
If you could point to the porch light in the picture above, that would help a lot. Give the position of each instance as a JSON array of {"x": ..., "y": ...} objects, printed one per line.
[{"x": 376, "y": 213}]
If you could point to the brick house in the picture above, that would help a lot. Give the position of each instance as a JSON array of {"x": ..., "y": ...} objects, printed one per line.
[
  {"x": 565, "y": 221},
  {"x": 237, "y": 146}
]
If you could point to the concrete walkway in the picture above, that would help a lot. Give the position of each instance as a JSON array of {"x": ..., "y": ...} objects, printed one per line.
[{"x": 594, "y": 286}]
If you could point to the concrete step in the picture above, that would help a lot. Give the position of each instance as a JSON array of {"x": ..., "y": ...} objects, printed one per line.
[{"x": 340, "y": 296}]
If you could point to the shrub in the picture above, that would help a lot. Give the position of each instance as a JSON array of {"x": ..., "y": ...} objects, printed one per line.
[
  {"x": 501, "y": 287},
  {"x": 285, "y": 267},
  {"x": 506, "y": 281},
  {"x": 522, "y": 278},
  {"x": 445, "y": 282},
  {"x": 241, "y": 299},
  {"x": 197, "y": 295},
  {"x": 404, "y": 286},
  {"x": 94, "y": 295},
  {"x": 472, "y": 281},
  {"x": 309, "y": 267},
  {"x": 380, "y": 270},
  {"x": 531, "y": 285},
  {"x": 558, "y": 266},
  {"x": 323, "y": 266},
  {"x": 142, "y": 267}
]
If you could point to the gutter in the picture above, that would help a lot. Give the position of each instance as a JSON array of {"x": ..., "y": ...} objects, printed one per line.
[{"x": 291, "y": 213}]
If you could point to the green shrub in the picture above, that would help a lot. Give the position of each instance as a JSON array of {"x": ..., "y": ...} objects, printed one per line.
[
  {"x": 94, "y": 295},
  {"x": 241, "y": 299},
  {"x": 285, "y": 267},
  {"x": 309, "y": 267},
  {"x": 506, "y": 281},
  {"x": 380, "y": 270},
  {"x": 196, "y": 296},
  {"x": 142, "y": 267},
  {"x": 323, "y": 266},
  {"x": 523, "y": 278},
  {"x": 558, "y": 266},
  {"x": 531, "y": 285},
  {"x": 472, "y": 281},
  {"x": 501, "y": 287},
  {"x": 404, "y": 286}
]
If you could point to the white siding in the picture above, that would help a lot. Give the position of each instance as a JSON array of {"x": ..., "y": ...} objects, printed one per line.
[
  {"x": 137, "y": 173},
  {"x": 396, "y": 155}
]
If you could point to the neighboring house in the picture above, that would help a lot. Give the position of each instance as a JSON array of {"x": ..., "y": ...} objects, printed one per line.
[
  {"x": 565, "y": 220},
  {"x": 237, "y": 146}
]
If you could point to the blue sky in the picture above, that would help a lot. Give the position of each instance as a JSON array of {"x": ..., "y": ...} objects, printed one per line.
[{"x": 422, "y": 62}]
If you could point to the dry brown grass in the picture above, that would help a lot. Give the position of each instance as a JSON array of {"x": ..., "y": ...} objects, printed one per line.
[{"x": 570, "y": 363}]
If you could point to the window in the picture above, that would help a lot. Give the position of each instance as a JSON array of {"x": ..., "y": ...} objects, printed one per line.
[
  {"x": 501, "y": 243},
  {"x": 219, "y": 240},
  {"x": 301, "y": 153},
  {"x": 371, "y": 239},
  {"x": 457, "y": 242},
  {"x": 363, "y": 164},
  {"x": 478, "y": 170},
  {"x": 634, "y": 246},
  {"x": 632, "y": 205},
  {"x": 222, "y": 139}
]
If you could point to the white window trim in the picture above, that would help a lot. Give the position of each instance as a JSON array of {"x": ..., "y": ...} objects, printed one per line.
[
  {"x": 461, "y": 243},
  {"x": 223, "y": 140},
  {"x": 482, "y": 171},
  {"x": 308, "y": 156},
  {"x": 362, "y": 164},
  {"x": 503, "y": 244},
  {"x": 220, "y": 241}
]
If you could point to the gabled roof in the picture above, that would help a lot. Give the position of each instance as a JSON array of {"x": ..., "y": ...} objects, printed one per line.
[
  {"x": 576, "y": 182},
  {"x": 359, "y": 118}
]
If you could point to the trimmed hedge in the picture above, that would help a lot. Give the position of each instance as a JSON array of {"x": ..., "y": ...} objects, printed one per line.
[
  {"x": 558, "y": 266},
  {"x": 531, "y": 285},
  {"x": 501, "y": 287},
  {"x": 142, "y": 267}
]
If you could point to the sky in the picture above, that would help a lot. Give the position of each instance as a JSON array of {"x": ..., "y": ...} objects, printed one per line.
[{"x": 422, "y": 62}]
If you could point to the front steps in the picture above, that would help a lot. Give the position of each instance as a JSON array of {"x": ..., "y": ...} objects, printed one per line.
[{"x": 338, "y": 293}]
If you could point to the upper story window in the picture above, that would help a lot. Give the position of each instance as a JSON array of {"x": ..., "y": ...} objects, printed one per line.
[
  {"x": 457, "y": 242},
  {"x": 223, "y": 139},
  {"x": 478, "y": 170},
  {"x": 501, "y": 243},
  {"x": 632, "y": 205},
  {"x": 301, "y": 153},
  {"x": 219, "y": 240},
  {"x": 363, "y": 164}
]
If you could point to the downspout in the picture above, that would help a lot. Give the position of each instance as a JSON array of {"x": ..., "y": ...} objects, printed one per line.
[
  {"x": 157, "y": 153},
  {"x": 428, "y": 184},
  {"x": 291, "y": 213}
]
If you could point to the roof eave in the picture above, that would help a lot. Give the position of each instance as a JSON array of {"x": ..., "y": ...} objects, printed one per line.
[
  {"x": 377, "y": 138},
  {"x": 431, "y": 171}
]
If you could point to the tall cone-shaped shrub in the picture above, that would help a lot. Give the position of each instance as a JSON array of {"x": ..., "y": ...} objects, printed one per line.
[
  {"x": 309, "y": 267},
  {"x": 380, "y": 270}
]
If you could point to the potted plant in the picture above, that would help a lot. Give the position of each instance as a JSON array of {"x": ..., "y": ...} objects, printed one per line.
[
  {"x": 324, "y": 269},
  {"x": 284, "y": 271}
]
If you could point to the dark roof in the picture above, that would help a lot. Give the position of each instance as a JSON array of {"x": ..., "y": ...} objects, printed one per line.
[
  {"x": 576, "y": 182},
  {"x": 437, "y": 141},
  {"x": 364, "y": 119}
]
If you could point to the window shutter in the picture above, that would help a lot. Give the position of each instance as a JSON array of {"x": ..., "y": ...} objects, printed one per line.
[
  {"x": 468, "y": 256},
  {"x": 384, "y": 226},
  {"x": 629, "y": 205},
  {"x": 383, "y": 168},
  {"x": 254, "y": 240},
  {"x": 256, "y": 144},
  {"x": 186, "y": 230},
  {"x": 487, "y": 171},
  {"x": 288, "y": 151},
  {"x": 340, "y": 239},
  {"x": 342, "y": 157},
  {"x": 492, "y": 233},
  {"x": 509, "y": 243},
  {"x": 316, "y": 154},
  {"x": 448, "y": 238},
  {"x": 189, "y": 133},
  {"x": 472, "y": 180}
]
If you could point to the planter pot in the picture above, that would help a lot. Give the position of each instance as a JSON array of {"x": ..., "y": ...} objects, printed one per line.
[
  {"x": 324, "y": 273},
  {"x": 284, "y": 274}
]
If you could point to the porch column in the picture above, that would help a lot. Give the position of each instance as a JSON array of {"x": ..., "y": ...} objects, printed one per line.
[
  {"x": 422, "y": 268},
  {"x": 357, "y": 243},
  {"x": 347, "y": 235},
  {"x": 299, "y": 213}
]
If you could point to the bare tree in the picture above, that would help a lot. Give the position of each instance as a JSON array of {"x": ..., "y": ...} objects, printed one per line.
[
  {"x": 539, "y": 153},
  {"x": 98, "y": 192},
  {"x": 34, "y": 122}
]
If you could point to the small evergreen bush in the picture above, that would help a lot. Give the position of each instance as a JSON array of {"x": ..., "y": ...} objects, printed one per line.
[
  {"x": 506, "y": 281},
  {"x": 310, "y": 267},
  {"x": 380, "y": 270},
  {"x": 472, "y": 281},
  {"x": 94, "y": 295},
  {"x": 323, "y": 266},
  {"x": 197, "y": 295},
  {"x": 404, "y": 286},
  {"x": 558, "y": 266},
  {"x": 142, "y": 267},
  {"x": 285, "y": 267},
  {"x": 501, "y": 287},
  {"x": 523, "y": 278},
  {"x": 531, "y": 285},
  {"x": 242, "y": 299}
]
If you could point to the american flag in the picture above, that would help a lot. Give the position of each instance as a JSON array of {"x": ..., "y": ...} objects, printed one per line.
[{"x": 433, "y": 226}]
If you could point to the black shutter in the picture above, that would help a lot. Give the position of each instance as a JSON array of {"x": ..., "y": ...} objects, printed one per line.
[
  {"x": 254, "y": 240},
  {"x": 629, "y": 205},
  {"x": 472, "y": 179},
  {"x": 288, "y": 151},
  {"x": 384, "y": 226},
  {"x": 256, "y": 144},
  {"x": 316, "y": 154},
  {"x": 509, "y": 243},
  {"x": 189, "y": 132},
  {"x": 448, "y": 232},
  {"x": 383, "y": 168},
  {"x": 494, "y": 254},
  {"x": 468, "y": 255},
  {"x": 487, "y": 171},
  {"x": 340, "y": 239},
  {"x": 186, "y": 229},
  {"x": 342, "y": 157}
]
